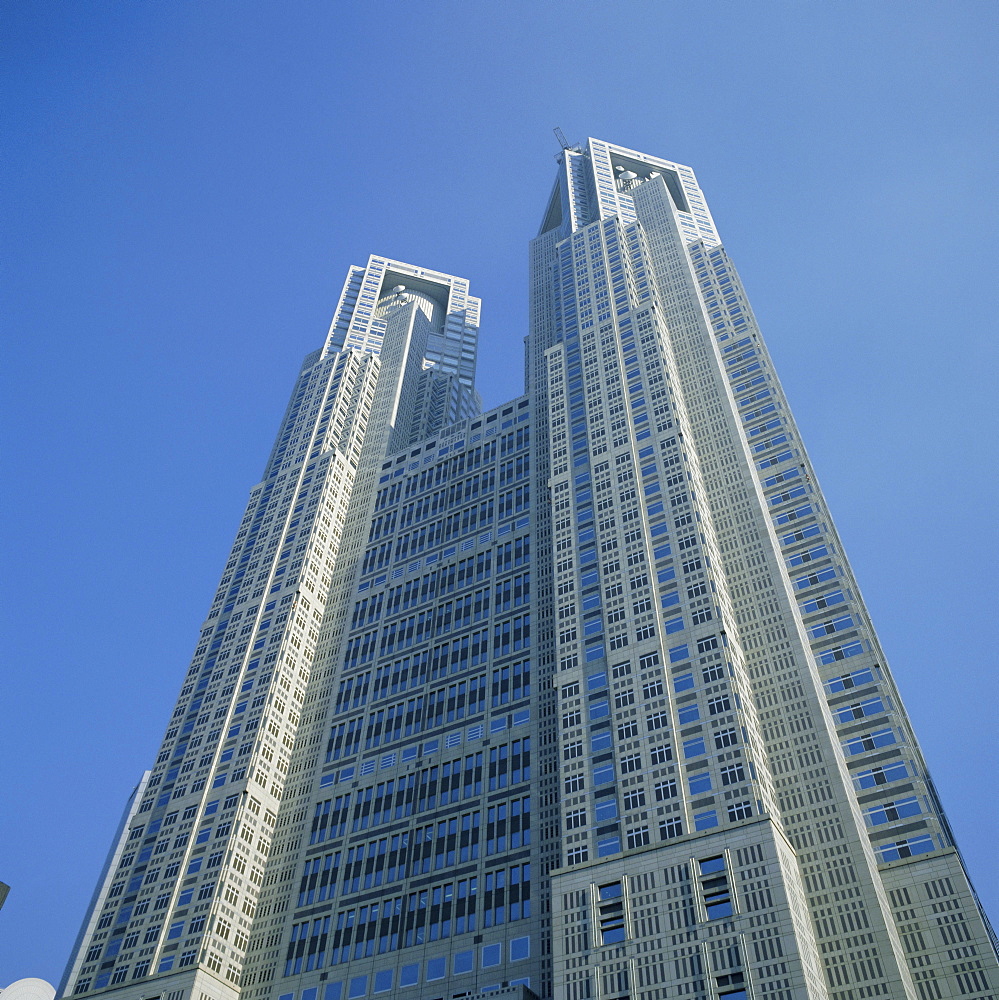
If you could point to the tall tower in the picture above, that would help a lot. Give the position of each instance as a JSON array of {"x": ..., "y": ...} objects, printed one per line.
[
  {"x": 745, "y": 810},
  {"x": 177, "y": 899},
  {"x": 576, "y": 697}
]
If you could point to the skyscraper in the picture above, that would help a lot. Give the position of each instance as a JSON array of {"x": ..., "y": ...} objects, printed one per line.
[{"x": 577, "y": 696}]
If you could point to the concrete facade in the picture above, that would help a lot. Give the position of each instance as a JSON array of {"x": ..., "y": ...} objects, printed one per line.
[{"x": 577, "y": 697}]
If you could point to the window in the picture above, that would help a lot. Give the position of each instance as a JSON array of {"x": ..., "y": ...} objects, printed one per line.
[
  {"x": 719, "y": 704},
  {"x": 658, "y": 720},
  {"x": 841, "y": 652},
  {"x": 436, "y": 968},
  {"x": 881, "y": 775},
  {"x": 638, "y": 837},
  {"x": 520, "y": 948},
  {"x": 603, "y": 775},
  {"x": 705, "y": 820},
  {"x": 605, "y": 810},
  {"x": 492, "y": 954},
  {"x": 891, "y": 812},
  {"x": 905, "y": 848},
  {"x": 634, "y": 798},
  {"x": 869, "y": 741},
  {"x": 726, "y": 738},
  {"x": 740, "y": 810},
  {"x": 665, "y": 790},
  {"x": 838, "y": 624},
  {"x": 849, "y": 713},
  {"x": 672, "y": 827},
  {"x": 847, "y": 681},
  {"x": 699, "y": 783},
  {"x": 599, "y": 710},
  {"x": 608, "y": 845},
  {"x": 732, "y": 774},
  {"x": 688, "y": 713},
  {"x": 683, "y": 682},
  {"x": 653, "y": 689}
]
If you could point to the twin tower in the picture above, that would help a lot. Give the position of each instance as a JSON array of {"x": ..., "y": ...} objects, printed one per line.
[{"x": 575, "y": 698}]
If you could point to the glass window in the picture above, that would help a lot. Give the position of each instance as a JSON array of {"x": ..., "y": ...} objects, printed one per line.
[
  {"x": 881, "y": 775},
  {"x": 520, "y": 948},
  {"x": 608, "y": 845},
  {"x": 492, "y": 954},
  {"x": 688, "y": 713},
  {"x": 708, "y": 866},
  {"x": 606, "y": 810},
  {"x": 705, "y": 820},
  {"x": 603, "y": 775},
  {"x": 699, "y": 783}
]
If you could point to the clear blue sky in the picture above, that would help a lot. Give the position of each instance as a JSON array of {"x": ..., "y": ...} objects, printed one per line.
[{"x": 186, "y": 183}]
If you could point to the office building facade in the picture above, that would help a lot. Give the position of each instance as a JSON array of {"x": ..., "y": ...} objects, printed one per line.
[{"x": 576, "y": 697}]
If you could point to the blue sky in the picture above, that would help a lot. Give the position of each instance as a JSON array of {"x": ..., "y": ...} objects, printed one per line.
[{"x": 186, "y": 184}]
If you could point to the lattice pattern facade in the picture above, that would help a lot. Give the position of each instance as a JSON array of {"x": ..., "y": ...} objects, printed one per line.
[{"x": 575, "y": 698}]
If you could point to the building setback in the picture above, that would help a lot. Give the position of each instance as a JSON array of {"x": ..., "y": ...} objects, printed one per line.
[{"x": 577, "y": 697}]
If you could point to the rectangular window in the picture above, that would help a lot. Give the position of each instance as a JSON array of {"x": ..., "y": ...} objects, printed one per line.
[
  {"x": 841, "y": 652},
  {"x": 705, "y": 820},
  {"x": 891, "y": 812},
  {"x": 905, "y": 848},
  {"x": 849, "y": 713},
  {"x": 881, "y": 775},
  {"x": 492, "y": 955},
  {"x": 869, "y": 741}
]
